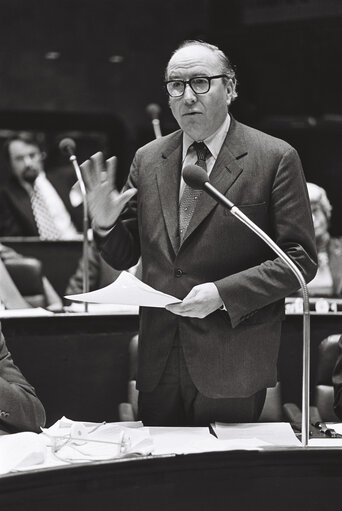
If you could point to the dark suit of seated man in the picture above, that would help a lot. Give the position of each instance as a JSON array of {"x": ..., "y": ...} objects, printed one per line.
[
  {"x": 20, "y": 408},
  {"x": 34, "y": 203}
]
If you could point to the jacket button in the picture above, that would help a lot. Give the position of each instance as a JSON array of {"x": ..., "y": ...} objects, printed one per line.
[{"x": 179, "y": 272}]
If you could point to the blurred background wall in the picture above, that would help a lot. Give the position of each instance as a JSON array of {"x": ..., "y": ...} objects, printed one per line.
[{"x": 89, "y": 68}]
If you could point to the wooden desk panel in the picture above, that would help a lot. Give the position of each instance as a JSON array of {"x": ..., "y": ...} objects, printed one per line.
[
  {"x": 78, "y": 363},
  {"x": 275, "y": 480}
]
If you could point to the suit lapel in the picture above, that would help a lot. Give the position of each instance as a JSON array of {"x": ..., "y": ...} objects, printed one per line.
[
  {"x": 227, "y": 169},
  {"x": 168, "y": 181},
  {"x": 22, "y": 203}
]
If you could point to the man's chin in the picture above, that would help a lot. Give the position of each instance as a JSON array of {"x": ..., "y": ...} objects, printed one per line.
[{"x": 30, "y": 175}]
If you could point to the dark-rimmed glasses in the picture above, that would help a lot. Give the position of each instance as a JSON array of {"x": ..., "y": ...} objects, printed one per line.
[{"x": 199, "y": 84}]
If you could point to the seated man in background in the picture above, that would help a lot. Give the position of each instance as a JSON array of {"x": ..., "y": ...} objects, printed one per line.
[
  {"x": 34, "y": 203},
  {"x": 20, "y": 408},
  {"x": 328, "y": 279}
]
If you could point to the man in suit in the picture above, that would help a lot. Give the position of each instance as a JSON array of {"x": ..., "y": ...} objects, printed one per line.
[
  {"x": 212, "y": 356},
  {"x": 34, "y": 203},
  {"x": 20, "y": 408}
]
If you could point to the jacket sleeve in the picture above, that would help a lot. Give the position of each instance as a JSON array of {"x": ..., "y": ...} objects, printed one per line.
[
  {"x": 249, "y": 291},
  {"x": 20, "y": 408}
]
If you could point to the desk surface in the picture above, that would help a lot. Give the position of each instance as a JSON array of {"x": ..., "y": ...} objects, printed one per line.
[{"x": 268, "y": 480}]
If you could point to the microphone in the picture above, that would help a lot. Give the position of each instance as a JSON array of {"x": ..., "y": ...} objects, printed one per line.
[
  {"x": 154, "y": 111},
  {"x": 67, "y": 146},
  {"x": 197, "y": 178}
]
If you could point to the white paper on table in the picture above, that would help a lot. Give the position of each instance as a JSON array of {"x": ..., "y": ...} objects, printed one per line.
[
  {"x": 327, "y": 441},
  {"x": 273, "y": 433},
  {"x": 27, "y": 312},
  {"x": 126, "y": 290},
  {"x": 89, "y": 441},
  {"x": 21, "y": 450},
  {"x": 179, "y": 440}
]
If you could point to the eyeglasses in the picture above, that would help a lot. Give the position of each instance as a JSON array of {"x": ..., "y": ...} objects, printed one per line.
[{"x": 199, "y": 84}]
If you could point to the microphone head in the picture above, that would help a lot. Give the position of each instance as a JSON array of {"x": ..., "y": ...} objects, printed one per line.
[
  {"x": 153, "y": 110},
  {"x": 67, "y": 146},
  {"x": 195, "y": 176}
]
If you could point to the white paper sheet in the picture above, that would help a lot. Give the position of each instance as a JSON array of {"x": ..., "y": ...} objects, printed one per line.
[
  {"x": 24, "y": 313},
  {"x": 273, "y": 433},
  {"x": 126, "y": 290},
  {"x": 179, "y": 440}
]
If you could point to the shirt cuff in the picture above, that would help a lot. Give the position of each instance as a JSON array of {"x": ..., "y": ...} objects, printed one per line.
[{"x": 102, "y": 231}]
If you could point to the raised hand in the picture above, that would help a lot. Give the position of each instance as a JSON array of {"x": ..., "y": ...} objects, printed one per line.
[{"x": 104, "y": 200}]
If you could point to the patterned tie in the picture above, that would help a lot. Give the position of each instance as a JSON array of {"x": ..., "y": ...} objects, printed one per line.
[
  {"x": 45, "y": 223},
  {"x": 189, "y": 197}
]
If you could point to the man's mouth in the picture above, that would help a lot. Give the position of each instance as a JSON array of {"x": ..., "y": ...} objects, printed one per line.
[{"x": 191, "y": 113}]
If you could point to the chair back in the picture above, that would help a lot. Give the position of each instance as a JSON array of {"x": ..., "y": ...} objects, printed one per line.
[
  {"x": 327, "y": 357},
  {"x": 27, "y": 275}
]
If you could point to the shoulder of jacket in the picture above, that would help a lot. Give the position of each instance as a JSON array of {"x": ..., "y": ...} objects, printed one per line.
[
  {"x": 264, "y": 138},
  {"x": 161, "y": 143}
]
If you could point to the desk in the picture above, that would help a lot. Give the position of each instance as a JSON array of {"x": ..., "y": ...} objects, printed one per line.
[
  {"x": 73, "y": 359},
  {"x": 269, "y": 480},
  {"x": 78, "y": 363}
]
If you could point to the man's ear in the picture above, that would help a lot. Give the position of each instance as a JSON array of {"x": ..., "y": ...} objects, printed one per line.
[
  {"x": 229, "y": 89},
  {"x": 43, "y": 155}
]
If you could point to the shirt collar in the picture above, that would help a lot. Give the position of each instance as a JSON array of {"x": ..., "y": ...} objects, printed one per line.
[{"x": 213, "y": 143}]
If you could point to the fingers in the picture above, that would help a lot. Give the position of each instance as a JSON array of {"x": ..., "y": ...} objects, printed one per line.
[
  {"x": 127, "y": 195},
  {"x": 87, "y": 174},
  {"x": 96, "y": 171},
  {"x": 112, "y": 164}
]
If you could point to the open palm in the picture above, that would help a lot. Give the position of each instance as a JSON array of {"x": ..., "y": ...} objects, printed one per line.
[{"x": 104, "y": 200}]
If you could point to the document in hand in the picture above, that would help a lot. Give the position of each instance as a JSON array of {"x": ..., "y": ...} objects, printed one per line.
[{"x": 126, "y": 290}]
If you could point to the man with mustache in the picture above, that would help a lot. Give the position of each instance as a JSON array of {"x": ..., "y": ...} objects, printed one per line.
[{"x": 35, "y": 203}]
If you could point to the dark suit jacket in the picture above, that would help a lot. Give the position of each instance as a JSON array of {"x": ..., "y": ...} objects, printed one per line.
[
  {"x": 20, "y": 409},
  {"x": 234, "y": 353},
  {"x": 16, "y": 216}
]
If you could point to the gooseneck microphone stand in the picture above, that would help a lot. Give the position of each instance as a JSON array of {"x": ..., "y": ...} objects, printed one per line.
[
  {"x": 197, "y": 178},
  {"x": 68, "y": 146}
]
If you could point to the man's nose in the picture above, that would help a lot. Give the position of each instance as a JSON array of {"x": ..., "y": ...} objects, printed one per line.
[
  {"x": 189, "y": 95},
  {"x": 28, "y": 160}
]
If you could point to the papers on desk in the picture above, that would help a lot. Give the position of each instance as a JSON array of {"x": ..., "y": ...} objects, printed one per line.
[
  {"x": 25, "y": 313},
  {"x": 328, "y": 442},
  {"x": 69, "y": 441},
  {"x": 21, "y": 450},
  {"x": 126, "y": 290},
  {"x": 271, "y": 433},
  {"x": 103, "y": 308}
]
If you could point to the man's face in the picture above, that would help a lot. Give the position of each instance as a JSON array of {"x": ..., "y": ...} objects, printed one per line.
[
  {"x": 26, "y": 160},
  {"x": 199, "y": 115}
]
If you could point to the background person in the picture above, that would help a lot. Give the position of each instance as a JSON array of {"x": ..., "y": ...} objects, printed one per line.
[
  {"x": 328, "y": 279},
  {"x": 35, "y": 203},
  {"x": 198, "y": 363}
]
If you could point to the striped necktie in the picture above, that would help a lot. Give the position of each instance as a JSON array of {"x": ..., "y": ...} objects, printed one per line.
[
  {"x": 190, "y": 196},
  {"x": 45, "y": 223}
]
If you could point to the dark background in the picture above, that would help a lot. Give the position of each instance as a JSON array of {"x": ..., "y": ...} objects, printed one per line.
[{"x": 89, "y": 68}]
